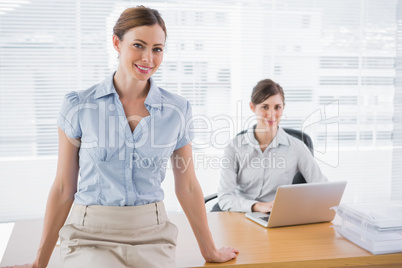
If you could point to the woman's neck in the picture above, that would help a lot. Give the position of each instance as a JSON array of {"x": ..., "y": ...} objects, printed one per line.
[
  {"x": 129, "y": 88},
  {"x": 265, "y": 136}
]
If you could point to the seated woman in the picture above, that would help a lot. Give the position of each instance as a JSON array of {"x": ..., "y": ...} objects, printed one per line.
[{"x": 264, "y": 157}]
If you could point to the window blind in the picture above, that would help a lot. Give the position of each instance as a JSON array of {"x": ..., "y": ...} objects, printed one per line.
[{"x": 336, "y": 60}]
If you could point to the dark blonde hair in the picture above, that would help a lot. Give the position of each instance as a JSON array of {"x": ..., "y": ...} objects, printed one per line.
[
  {"x": 135, "y": 17},
  {"x": 265, "y": 89}
]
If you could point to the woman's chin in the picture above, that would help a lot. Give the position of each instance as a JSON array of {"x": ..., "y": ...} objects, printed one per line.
[
  {"x": 271, "y": 126},
  {"x": 267, "y": 127}
]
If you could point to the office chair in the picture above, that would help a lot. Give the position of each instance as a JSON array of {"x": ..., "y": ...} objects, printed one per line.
[{"x": 298, "y": 178}]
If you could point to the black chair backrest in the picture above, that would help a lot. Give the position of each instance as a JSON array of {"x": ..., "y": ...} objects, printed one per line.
[{"x": 301, "y": 136}]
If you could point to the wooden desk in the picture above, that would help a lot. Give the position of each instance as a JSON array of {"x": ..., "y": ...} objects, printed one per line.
[{"x": 314, "y": 245}]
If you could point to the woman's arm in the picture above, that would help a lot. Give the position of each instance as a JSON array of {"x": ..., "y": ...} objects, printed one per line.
[
  {"x": 227, "y": 197},
  {"x": 191, "y": 199},
  {"x": 308, "y": 166},
  {"x": 61, "y": 197}
]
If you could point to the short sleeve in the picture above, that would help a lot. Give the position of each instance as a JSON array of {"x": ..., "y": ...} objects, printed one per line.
[
  {"x": 68, "y": 117},
  {"x": 186, "y": 134}
]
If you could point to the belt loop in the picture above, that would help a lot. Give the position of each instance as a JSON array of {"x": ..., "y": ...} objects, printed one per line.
[
  {"x": 83, "y": 214},
  {"x": 158, "y": 221}
]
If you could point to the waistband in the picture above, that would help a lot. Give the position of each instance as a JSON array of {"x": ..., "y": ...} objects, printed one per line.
[{"x": 118, "y": 217}]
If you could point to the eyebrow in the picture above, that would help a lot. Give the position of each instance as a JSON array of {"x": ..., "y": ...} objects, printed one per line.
[{"x": 145, "y": 43}]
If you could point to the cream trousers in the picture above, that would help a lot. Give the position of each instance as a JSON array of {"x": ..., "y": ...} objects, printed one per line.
[{"x": 114, "y": 237}]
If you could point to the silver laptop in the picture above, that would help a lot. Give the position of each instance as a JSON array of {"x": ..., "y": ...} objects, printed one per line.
[{"x": 302, "y": 204}]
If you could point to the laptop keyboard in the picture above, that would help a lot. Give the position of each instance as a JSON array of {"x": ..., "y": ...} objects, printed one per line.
[{"x": 265, "y": 218}]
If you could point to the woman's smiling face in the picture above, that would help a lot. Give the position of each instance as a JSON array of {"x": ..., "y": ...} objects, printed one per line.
[
  {"x": 141, "y": 51},
  {"x": 269, "y": 112}
]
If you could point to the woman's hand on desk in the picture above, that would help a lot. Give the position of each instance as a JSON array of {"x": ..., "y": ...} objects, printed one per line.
[
  {"x": 28, "y": 265},
  {"x": 263, "y": 207},
  {"x": 222, "y": 255}
]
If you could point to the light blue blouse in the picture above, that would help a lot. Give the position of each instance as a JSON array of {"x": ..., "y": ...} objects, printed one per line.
[{"x": 119, "y": 167}]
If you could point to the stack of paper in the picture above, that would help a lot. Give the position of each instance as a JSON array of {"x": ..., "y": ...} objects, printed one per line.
[{"x": 376, "y": 227}]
